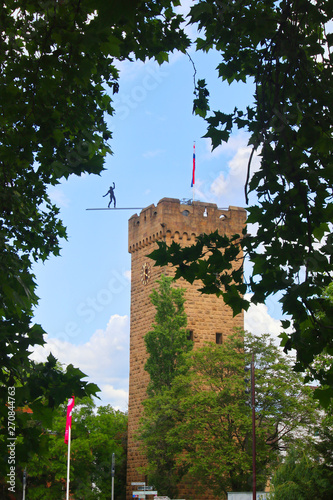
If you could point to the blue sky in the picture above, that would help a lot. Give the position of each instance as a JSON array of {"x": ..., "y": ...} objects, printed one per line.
[{"x": 85, "y": 293}]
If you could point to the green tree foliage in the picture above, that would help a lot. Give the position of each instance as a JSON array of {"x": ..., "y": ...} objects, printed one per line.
[
  {"x": 167, "y": 345},
  {"x": 167, "y": 342},
  {"x": 29, "y": 404},
  {"x": 284, "y": 48},
  {"x": 322, "y": 363},
  {"x": 308, "y": 473},
  {"x": 206, "y": 419},
  {"x": 58, "y": 72},
  {"x": 96, "y": 434},
  {"x": 302, "y": 478},
  {"x": 324, "y": 442}
]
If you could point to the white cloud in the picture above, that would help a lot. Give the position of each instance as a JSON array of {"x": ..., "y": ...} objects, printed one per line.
[
  {"x": 58, "y": 197},
  {"x": 258, "y": 321},
  {"x": 128, "y": 275},
  {"x": 104, "y": 358},
  {"x": 134, "y": 71},
  {"x": 219, "y": 185},
  {"x": 228, "y": 187},
  {"x": 117, "y": 398},
  {"x": 153, "y": 154},
  {"x": 235, "y": 142},
  {"x": 137, "y": 82},
  {"x": 199, "y": 195}
]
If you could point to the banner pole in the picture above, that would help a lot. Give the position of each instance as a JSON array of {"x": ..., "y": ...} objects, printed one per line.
[{"x": 68, "y": 461}]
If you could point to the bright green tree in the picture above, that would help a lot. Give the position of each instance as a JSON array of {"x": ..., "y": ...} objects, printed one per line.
[
  {"x": 324, "y": 442},
  {"x": 167, "y": 344},
  {"x": 300, "y": 477},
  {"x": 322, "y": 362},
  {"x": 209, "y": 432},
  {"x": 308, "y": 473}
]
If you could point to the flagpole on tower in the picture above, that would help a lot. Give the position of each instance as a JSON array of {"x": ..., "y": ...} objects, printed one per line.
[{"x": 193, "y": 171}]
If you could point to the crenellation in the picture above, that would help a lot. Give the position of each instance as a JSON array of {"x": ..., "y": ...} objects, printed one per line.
[{"x": 172, "y": 219}]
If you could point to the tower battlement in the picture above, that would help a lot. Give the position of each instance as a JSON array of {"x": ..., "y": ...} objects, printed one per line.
[{"x": 172, "y": 220}]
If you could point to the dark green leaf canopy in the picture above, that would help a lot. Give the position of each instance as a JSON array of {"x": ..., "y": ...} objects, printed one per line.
[
  {"x": 284, "y": 48},
  {"x": 58, "y": 72}
]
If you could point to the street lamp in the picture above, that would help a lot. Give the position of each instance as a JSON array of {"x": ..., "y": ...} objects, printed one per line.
[
  {"x": 113, "y": 467},
  {"x": 253, "y": 430},
  {"x": 254, "y": 484}
]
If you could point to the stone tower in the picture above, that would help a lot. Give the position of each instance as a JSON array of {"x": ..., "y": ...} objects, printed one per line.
[{"x": 209, "y": 319}]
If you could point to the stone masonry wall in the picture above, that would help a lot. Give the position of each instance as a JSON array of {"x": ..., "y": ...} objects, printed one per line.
[{"x": 207, "y": 314}]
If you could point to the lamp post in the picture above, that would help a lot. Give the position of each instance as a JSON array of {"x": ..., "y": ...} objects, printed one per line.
[
  {"x": 247, "y": 368},
  {"x": 112, "y": 475},
  {"x": 24, "y": 482}
]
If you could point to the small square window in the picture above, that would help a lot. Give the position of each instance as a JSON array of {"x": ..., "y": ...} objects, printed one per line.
[
  {"x": 190, "y": 335},
  {"x": 219, "y": 338}
]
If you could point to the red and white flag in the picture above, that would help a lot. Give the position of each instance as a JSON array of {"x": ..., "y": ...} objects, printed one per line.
[{"x": 70, "y": 406}]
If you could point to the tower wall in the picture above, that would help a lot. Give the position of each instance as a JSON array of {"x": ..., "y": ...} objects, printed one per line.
[{"x": 206, "y": 314}]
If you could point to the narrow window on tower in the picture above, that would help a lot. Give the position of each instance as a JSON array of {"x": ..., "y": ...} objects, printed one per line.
[
  {"x": 219, "y": 338},
  {"x": 190, "y": 335}
]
